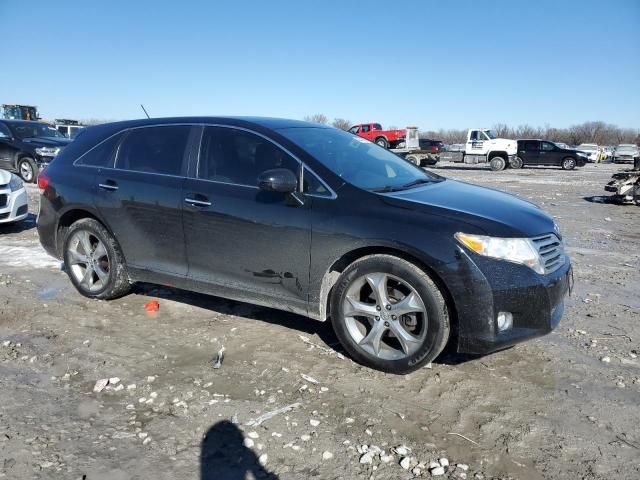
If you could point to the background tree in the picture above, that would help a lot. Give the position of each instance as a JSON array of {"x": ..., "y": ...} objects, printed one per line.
[
  {"x": 317, "y": 118},
  {"x": 341, "y": 123}
]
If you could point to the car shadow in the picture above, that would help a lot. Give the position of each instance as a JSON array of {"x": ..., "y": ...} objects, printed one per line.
[
  {"x": 293, "y": 321},
  {"x": 224, "y": 456},
  {"x": 27, "y": 224}
]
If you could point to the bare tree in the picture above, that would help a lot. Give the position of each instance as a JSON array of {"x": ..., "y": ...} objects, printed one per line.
[
  {"x": 341, "y": 123},
  {"x": 317, "y": 118}
]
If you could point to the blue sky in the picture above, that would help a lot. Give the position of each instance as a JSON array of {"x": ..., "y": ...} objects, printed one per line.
[{"x": 434, "y": 64}]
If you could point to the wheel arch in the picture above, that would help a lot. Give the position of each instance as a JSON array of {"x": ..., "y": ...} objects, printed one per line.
[
  {"x": 332, "y": 274},
  {"x": 69, "y": 217},
  {"x": 378, "y": 137},
  {"x": 497, "y": 153}
]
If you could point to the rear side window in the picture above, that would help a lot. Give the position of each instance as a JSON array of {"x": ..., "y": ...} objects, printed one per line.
[
  {"x": 377, "y": 126},
  {"x": 364, "y": 128},
  {"x": 4, "y": 131},
  {"x": 234, "y": 156},
  {"x": 154, "y": 149},
  {"x": 102, "y": 155},
  {"x": 531, "y": 146}
]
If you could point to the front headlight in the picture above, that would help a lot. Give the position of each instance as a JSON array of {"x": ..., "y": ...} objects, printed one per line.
[
  {"x": 517, "y": 250},
  {"x": 15, "y": 183},
  {"x": 48, "y": 151},
  {"x": 580, "y": 154}
]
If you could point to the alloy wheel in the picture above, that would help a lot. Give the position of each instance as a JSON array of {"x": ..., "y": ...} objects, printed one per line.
[
  {"x": 385, "y": 316},
  {"x": 88, "y": 260},
  {"x": 26, "y": 171}
]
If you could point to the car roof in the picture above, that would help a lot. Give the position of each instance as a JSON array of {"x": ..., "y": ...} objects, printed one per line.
[
  {"x": 22, "y": 122},
  {"x": 266, "y": 122}
]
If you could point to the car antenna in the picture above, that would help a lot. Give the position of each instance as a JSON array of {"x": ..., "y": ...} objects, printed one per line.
[{"x": 144, "y": 110}]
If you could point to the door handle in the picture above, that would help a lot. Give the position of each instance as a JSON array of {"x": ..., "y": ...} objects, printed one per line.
[
  {"x": 197, "y": 203},
  {"x": 108, "y": 186}
]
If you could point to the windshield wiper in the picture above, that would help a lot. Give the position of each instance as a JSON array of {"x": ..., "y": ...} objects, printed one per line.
[
  {"x": 387, "y": 188},
  {"x": 419, "y": 181}
]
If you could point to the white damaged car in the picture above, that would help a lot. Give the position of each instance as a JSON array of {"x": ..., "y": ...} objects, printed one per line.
[{"x": 13, "y": 198}]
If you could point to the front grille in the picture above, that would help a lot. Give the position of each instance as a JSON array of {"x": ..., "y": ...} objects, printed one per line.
[
  {"x": 3, "y": 200},
  {"x": 551, "y": 250}
]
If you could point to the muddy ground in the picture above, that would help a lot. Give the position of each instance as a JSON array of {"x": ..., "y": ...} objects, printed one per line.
[{"x": 561, "y": 407}]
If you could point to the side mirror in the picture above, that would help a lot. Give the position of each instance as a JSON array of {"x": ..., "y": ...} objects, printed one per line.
[{"x": 278, "y": 180}]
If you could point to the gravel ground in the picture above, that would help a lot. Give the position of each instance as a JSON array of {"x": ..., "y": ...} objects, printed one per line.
[{"x": 561, "y": 407}]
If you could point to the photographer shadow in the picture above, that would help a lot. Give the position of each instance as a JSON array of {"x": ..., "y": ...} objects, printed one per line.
[{"x": 223, "y": 456}]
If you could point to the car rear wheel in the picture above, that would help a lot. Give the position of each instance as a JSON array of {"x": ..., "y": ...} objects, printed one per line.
[
  {"x": 517, "y": 162},
  {"x": 497, "y": 164},
  {"x": 94, "y": 262},
  {"x": 389, "y": 315},
  {"x": 413, "y": 159},
  {"x": 382, "y": 142},
  {"x": 27, "y": 169},
  {"x": 568, "y": 163}
]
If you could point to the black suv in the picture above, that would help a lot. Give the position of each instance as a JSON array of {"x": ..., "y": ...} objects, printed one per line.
[
  {"x": 26, "y": 147},
  {"x": 543, "y": 152},
  {"x": 308, "y": 219}
]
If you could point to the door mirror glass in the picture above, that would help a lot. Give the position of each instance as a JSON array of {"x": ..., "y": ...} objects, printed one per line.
[{"x": 278, "y": 180}]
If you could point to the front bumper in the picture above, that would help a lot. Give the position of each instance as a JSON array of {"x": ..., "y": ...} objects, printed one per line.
[
  {"x": 13, "y": 205},
  {"x": 482, "y": 287}
]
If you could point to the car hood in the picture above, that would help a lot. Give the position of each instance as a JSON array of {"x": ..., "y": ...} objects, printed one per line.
[
  {"x": 496, "y": 213},
  {"x": 5, "y": 177},
  {"x": 47, "y": 141}
]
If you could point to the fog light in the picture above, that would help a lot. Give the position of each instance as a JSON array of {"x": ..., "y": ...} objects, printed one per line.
[{"x": 505, "y": 321}]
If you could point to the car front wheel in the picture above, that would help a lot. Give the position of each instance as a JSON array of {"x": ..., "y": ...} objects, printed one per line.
[
  {"x": 389, "y": 314},
  {"x": 27, "y": 169},
  {"x": 497, "y": 164},
  {"x": 94, "y": 262},
  {"x": 568, "y": 163}
]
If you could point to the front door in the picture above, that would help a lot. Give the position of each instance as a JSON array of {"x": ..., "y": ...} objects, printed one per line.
[
  {"x": 238, "y": 237},
  {"x": 141, "y": 198},
  {"x": 548, "y": 154}
]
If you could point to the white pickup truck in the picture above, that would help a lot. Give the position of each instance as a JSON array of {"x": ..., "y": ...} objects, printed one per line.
[{"x": 482, "y": 146}]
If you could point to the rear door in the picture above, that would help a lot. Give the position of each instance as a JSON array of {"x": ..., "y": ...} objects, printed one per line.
[
  {"x": 366, "y": 132},
  {"x": 141, "y": 198},
  {"x": 549, "y": 154},
  {"x": 239, "y": 237},
  {"x": 529, "y": 151}
]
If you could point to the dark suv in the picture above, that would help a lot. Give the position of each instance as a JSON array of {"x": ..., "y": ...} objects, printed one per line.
[
  {"x": 309, "y": 219},
  {"x": 542, "y": 152},
  {"x": 26, "y": 146}
]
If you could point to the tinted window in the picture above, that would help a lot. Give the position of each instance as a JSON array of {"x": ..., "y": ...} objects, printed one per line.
[
  {"x": 475, "y": 136},
  {"x": 531, "y": 146},
  {"x": 154, "y": 149},
  {"x": 5, "y": 132},
  {"x": 101, "y": 155},
  {"x": 377, "y": 126},
  {"x": 235, "y": 156},
  {"x": 353, "y": 130},
  {"x": 547, "y": 147},
  {"x": 312, "y": 185},
  {"x": 365, "y": 128}
]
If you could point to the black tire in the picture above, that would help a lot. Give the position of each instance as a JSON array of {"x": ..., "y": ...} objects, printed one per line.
[
  {"x": 568, "y": 163},
  {"x": 516, "y": 163},
  {"x": 413, "y": 159},
  {"x": 436, "y": 320},
  {"x": 382, "y": 142},
  {"x": 117, "y": 283},
  {"x": 498, "y": 163},
  {"x": 28, "y": 170}
]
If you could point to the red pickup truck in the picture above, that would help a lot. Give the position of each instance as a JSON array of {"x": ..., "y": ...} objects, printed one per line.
[{"x": 374, "y": 133}]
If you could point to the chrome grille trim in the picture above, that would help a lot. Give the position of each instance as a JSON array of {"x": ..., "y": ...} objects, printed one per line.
[{"x": 551, "y": 249}]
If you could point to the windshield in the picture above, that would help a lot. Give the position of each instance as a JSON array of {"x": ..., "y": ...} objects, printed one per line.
[
  {"x": 358, "y": 161},
  {"x": 35, "y": 130},
  {"x": 586, "y": 146},
  {"x": 626, "y": 148},
  {"x": 490, "y": 134}
]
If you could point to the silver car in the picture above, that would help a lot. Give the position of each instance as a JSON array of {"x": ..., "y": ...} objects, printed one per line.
[{"x": 625, "y": 152}]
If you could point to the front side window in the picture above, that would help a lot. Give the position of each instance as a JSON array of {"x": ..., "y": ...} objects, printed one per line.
[
  {"x": 353, "y": 130},
  {"x": 312, "y": 185},
  {"x": 235, "y": 156},
  {"x": 357, "y": 161},
  {"x": 154, "y": 149},
  {"x": 103, "y": 154},
  {"x": 4, "y": 131},
  {"x": 547, "y": 147},
  {"x": 475, "y": 136},
  {"x": 490, "y": 134},
  {"x": 365, "y": 128}
]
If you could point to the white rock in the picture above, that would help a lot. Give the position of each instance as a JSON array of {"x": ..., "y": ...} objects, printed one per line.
[
  {"x": 362, "y": 448},
  {"x": 368, "y": 432},
  {"x": 248, "y": 443},
  {"x": 262, "y": 459},
  {"x": 114, "y": 381},
  {"x": 386, "y": 458},
  {"x": 324, "y": 389},
  {"x": 153, "y": 395},
  {"x": 142, "y": 400},
  {"x": 143, "y": 434},
  {"x": 6, "y": 343},
  {"x": 366, "y": 458},
  {"x": 402, "y": 450},
  {"x": 305, "y": 437},
  {"x": 276, "y": 434},
  {"x": 463, "y": 467},
  {"x": 253, "y": 435},
  {"x": 100, "y": 385},
  {"x": 314, "y": 423},
  {"x": 119, "y": 387},
  {"x": 375, "y": 449},
  {"x": 444, "y": 462},
  {"x": 327, "y": 455},
  {"x": 416, "y": 471},
  {"x": 405, "y": 462},
  {"x": 605, "y": 359},
  {"x": 151, "y": 378},
  {"x": 437, "y": 471},
  {"x": 349, "y": 420},
  {"x": 434, "y": 464},
  {"x": 146, "y": 440},
  {"x": 131, "y": 386}
]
